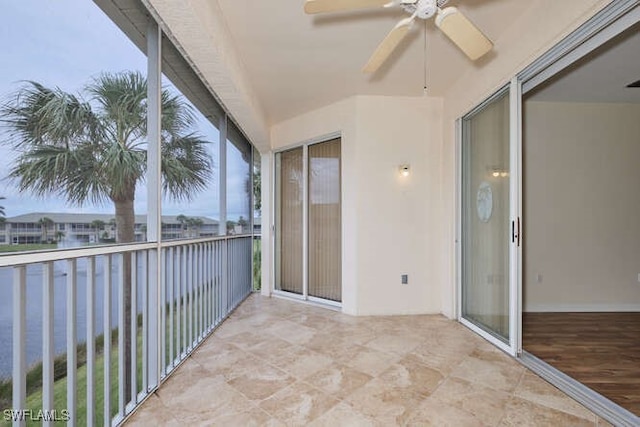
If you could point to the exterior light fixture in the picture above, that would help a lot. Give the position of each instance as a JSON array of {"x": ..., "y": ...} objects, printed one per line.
[{"x": 404, "y": 170}]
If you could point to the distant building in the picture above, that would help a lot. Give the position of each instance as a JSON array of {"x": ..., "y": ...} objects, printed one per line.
[{"x": 94, "y": 228}]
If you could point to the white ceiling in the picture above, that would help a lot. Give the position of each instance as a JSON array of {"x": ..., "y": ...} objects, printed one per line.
[
  {"x": 602, "y": 76},
  {"x": 298, "y": 62}
]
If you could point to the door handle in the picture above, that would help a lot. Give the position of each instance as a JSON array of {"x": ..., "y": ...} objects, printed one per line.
[{"x": 515, "y": 231}]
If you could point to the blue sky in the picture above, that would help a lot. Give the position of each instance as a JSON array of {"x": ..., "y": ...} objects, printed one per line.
[{"x": 65, "y": 43}]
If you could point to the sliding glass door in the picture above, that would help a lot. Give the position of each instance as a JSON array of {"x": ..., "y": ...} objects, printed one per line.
[
  {"x": 308, "y": 221},
  {"x": 289, "y": 216},
  {"x": 489, "y": 222}
]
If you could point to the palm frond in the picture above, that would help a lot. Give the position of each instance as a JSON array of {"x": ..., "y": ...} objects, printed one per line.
[
  {"x": 39, "y": 115},
  {"x": 187, "y": 168},
  {"x": 95, "y": 150},
  {"x": 70, "y": 173}
]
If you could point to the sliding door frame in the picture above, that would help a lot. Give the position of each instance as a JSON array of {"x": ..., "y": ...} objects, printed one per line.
[
  {"x": 305, "y": 219},
  {"x": 513, "y": 89},
  {"x": 611, "y": 21}
]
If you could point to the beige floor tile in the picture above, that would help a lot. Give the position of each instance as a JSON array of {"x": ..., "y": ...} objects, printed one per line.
[
  {"x": 203, "y": 400},
  {"x": 522, "y": 413},
  {"x": 248, "y": 339},
  {"x": 485, "y": 404},
  {"x": 328, "y": 345},
  {"x": 275, "y": 362},
  {"x": 338, "y": 380},
  {"x": 490, "y": 369},
  {"x": 187, "y": 374},
  {"x": 354, "y": 334},
  {"x": 413, "y": 376},
  {"x": 400, "y": 344},
  {"x": 298, "y": 404},
  {"x": 230, "y": 362},
  {"x": 270, "y": 349},
  {"x": 342, "y": 415},
  {"x": 384, "y": 402},
  {"x": 301, "y": 362},
  {"x": 291, "y": 332},
  {"x": 368, "y": 360},
  {"x": 433, "y": 412},
  {"x": 255, "y": 417},
  {"x": 537, "y": 390},
  {"x": 261, "y": 382},
  {"x": 603, "y": 423},
  {"x": 153, "y": 412}
]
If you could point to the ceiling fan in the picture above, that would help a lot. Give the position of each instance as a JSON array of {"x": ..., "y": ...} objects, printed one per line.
[{"x": 449, "y": 20}]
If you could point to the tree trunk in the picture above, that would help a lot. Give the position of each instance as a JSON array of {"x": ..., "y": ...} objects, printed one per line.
[{"x": 125, "y": 221}]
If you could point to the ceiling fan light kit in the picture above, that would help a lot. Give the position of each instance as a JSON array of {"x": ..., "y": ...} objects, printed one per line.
[{"x": 457, "y": 27}]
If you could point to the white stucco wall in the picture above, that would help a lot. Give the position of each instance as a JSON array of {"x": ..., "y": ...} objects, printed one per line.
[{"x": 387, "y": 221}]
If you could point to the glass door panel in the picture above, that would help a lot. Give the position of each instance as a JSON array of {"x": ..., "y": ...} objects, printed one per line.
[
  {"x": 486, "y": 221},
  {"x": 289, "y": 221},
  {"x": 325, "y": 273}
]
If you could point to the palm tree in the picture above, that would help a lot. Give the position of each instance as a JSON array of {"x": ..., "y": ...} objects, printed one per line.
[
  {"x": 93, "y": 148},
  {"x": 2, "y": 213},
  {"x": 45, "y": 223}
]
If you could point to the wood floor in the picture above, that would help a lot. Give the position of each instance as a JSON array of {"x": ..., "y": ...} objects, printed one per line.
[{"x": 601, "y": 350}]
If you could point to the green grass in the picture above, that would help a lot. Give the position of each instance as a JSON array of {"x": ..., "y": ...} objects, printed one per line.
[
  {"x": 257, "y": 257},
  {"x": 34, "y": 399},
  {"x": 28, "y": 247}
]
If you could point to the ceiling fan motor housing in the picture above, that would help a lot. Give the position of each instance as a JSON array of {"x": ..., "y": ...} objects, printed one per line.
[{"x": 424, "y": 9}]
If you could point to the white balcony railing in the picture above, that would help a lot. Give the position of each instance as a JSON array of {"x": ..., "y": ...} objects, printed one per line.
[{"x": 63, "y": 302}]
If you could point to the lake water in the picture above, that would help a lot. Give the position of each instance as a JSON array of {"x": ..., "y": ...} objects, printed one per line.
[{"x": 34, "y": 309}]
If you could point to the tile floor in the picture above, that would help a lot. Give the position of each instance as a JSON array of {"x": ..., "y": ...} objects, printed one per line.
[{"x": 280, "y": 363}]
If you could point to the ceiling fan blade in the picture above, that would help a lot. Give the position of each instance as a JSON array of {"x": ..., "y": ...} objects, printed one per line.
[
  {"x": 463, "y": 33},
  {"x": 388, "y": 45},
  {"x": 321, "y": 6}
]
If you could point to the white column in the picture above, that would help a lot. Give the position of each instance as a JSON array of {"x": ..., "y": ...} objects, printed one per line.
[
  {"x": 154, "y": 203},
  {"x": 266, "y": 198},
  {"x": 222, "y": 161}
]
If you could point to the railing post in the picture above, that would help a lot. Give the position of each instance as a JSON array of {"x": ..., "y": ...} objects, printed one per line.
[
  {"x": 170, "y": 279},
  {"x": 134, "y": 328},
  {"x": 90, "y": 343},
  {"x": 121, "y": 333},
  {"x": 19, "y": 340},
  {"x": 48, "y": 352},
  {"x": 153, "y": 352},
  {"x": 107, "y": 340},
  {"x": 72, "y": 342}
]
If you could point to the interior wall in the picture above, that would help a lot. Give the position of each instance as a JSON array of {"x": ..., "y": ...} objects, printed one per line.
[
  {"x": 582, "y": 199},
  {"x": 544, "y": 24},
  {"x": 388, "y": 221}
]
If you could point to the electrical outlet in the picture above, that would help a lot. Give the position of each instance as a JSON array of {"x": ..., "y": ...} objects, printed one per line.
[
  {"x": 539, "y": 278},
  {"x": 404, "y": 279},
  {"x": 638, "y": 277}
]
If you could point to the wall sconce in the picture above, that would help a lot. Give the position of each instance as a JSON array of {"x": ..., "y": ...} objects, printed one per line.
[
  {"x": 499, "y": 173},
  {"x": 404, "y": 170}
]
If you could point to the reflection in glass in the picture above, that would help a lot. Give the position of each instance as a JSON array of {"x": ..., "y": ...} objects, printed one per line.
[
  {"x": 289, "y": 224},
  {"x": 325, "y": 221},
  {"x": 485, "y": 218}
]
